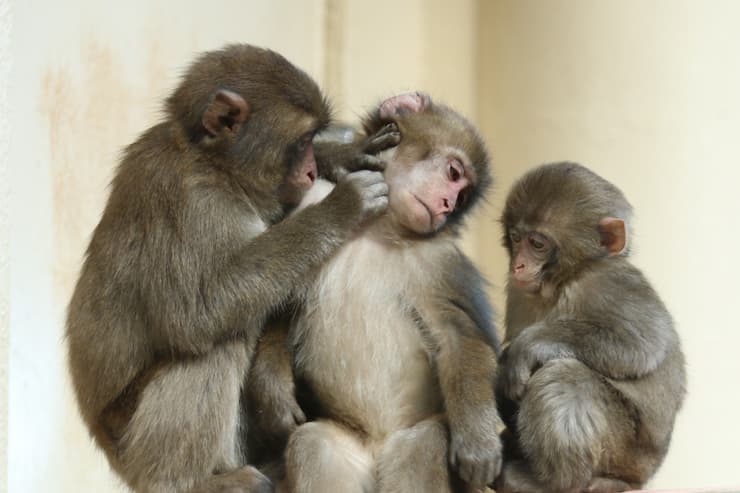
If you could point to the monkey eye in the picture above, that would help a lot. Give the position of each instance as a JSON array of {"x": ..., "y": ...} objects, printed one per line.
[
  {"x": 455, "y": 171},
  {"x": 515, "y": 236},
  {"x": 305, "y": 141},
  {"x": 536, "y": 244}
]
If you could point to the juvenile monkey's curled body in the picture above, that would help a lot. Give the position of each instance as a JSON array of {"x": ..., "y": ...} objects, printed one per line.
[
  {"x": 593, "y": 373},
  {"x": 394, "y": 339}
]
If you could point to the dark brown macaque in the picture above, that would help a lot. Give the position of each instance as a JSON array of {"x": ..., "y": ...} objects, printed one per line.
[
  {"x": 191, "y": 257},
  {"x": 394, "y": 341},
  {"x": 593, "y": 374}
]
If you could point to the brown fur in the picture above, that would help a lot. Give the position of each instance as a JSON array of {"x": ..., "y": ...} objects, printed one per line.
[
  {"x": 394, "y": 340},
  {"x": 593, "y": 374},
  {"x": 191, "y": 257}
]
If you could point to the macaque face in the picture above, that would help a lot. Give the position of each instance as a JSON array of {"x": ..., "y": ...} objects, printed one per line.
[
  {"x": 302, "y": 171},
  {"x": 425, "y": 188},
  {"x": 530, "y": 251}
]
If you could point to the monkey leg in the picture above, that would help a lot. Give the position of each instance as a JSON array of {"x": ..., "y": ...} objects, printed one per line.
[
  {"x": 572, "y": 427},
  {"x": 322, "y": 456},
  {"x": 183, "y": 435},
  {"x": 416, "y": 459}
]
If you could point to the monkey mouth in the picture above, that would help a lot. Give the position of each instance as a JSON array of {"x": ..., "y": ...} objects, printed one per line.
[
  {"x": 426, "y": 207},
  {"x": 311, "y": 176}
]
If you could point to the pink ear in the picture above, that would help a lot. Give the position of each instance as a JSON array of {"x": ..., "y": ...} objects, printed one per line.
[
  {"x": 225, "y": 113},
  {"x": 408, "y": 102},
  {"x": 613, "y": 235}
]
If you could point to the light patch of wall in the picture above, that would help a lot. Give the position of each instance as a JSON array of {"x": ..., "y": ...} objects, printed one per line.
[
  {"x": 5, "y": 65},
  {"x": 646, "y": 94},
  {"x": 90, "y": 77}
]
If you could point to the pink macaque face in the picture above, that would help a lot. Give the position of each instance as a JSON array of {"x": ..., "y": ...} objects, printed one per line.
[
  {"x": 530, "y": 252},
  {"x": 423, "y": 193},
  {"x": 303, "y": 173}
]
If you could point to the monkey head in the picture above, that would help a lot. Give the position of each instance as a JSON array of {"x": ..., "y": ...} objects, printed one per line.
[
  {"x": 558, "y": 218},
  {"x": 253, "y": 113},
  {"x": 440, "y": 167}
]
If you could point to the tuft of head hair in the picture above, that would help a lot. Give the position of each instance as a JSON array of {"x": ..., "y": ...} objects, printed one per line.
[
  {"x": 435, "y": 126},
  {"x": 265, "y": 79},
  {"x": 566, "y": 201}
]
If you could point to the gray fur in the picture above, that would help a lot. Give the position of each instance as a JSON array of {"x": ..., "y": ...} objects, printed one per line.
[{"x": 593, "y": 374}]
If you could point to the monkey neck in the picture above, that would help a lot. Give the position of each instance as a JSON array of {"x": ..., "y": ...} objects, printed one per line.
[{"x": 389, "y": 230}]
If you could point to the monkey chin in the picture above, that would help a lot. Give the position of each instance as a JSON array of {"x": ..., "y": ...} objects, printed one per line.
[
  {"x": 416, "y": 215},
  {"x": 529, "y": 287}
]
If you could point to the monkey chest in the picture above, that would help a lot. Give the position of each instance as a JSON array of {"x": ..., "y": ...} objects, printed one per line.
[{"x": 361, "y": 350}]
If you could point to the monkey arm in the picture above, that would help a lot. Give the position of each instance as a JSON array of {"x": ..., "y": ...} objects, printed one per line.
[
  {"x": 273, "y": 409},
  {"x": 459, "y": 319},
  {"x": 235, "y": 284},
  {"x": 622, "y": 331}
]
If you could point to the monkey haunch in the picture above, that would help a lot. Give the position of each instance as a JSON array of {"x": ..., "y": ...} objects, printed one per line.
[
  {"x": 190, "y": 258},
  {"x": 593, "y": 375},
  {"x": 395, "y": 339}
]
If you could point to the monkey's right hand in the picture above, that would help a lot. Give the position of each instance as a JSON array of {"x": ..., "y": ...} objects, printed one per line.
[
  {"x": 385, "y": 138},
  {"x": 281, "y": 415},
  {"x": 364, "y": 192},
  {"x": 364, "y": 157}
]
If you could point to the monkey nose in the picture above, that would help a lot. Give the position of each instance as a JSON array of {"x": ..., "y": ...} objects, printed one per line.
[{"x": 448, "y": 204}]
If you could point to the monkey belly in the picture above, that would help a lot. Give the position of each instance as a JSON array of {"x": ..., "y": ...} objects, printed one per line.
[{"x": 359, "y": 348}]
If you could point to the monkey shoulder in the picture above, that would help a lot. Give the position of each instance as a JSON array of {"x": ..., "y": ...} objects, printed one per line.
[
  {"x": 459, "y": 291},
  {"x": 618, "y": 295},
  {"x": 613, "y": 281}
]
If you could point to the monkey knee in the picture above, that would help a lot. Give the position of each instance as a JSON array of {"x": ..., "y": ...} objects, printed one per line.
[
  {"x": 185, "y": 426},
  {"x": 321, "y": 455},
  {"x": 424, "y": 436},
  {"x": 562, "y": 423},
  {"x": 415, "y": 459}
]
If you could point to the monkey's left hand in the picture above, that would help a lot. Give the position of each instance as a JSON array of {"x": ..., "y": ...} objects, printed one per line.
[
  {"x": 475, "y": 446},
  {"x": 279, "y": 413},
  {"x": 526, "y": 354}
]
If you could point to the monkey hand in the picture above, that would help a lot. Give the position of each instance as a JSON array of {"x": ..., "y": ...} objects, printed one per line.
[
  {"x": 364, "y": 157},
  {"x": 475, "y": 446},
  {"x": 336, "y": 159},
  {"x": 385, "y": 138},
  {"x": 280, "y": 415},
  {"x": 526, "y": 354},
  {"x": 367, "y": 192}
]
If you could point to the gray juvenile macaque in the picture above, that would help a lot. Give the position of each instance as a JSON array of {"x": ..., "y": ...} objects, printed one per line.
[
  {"x": 593, "y": 374},
  {"x": 191, "y": 257},
  {"x": 394, "y": 340}
]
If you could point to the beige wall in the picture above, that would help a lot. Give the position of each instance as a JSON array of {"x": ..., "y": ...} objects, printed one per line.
[
  {"x": 5, "y": 64},
  {"x": 647, "y": 93}
]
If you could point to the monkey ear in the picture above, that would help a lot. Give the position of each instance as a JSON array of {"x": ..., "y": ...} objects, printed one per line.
[
  {"x": 613, "y": 235},
  {"x": 408, "y": 102},
  {"x": 225, "y": 113}
]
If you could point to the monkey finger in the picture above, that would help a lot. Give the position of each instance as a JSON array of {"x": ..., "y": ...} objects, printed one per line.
[
  {"x": 377, "y": 190},
  {"x": 378, "y": 205},
  {"x": 298, "y": 414},
  {"x": 365, "y": 177},
  {"x": 493, "y": 469},
  {"x": 465, "y": 469},
  {"x": 366, "y": 161},
  {"x": 387, "y": 137}
]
